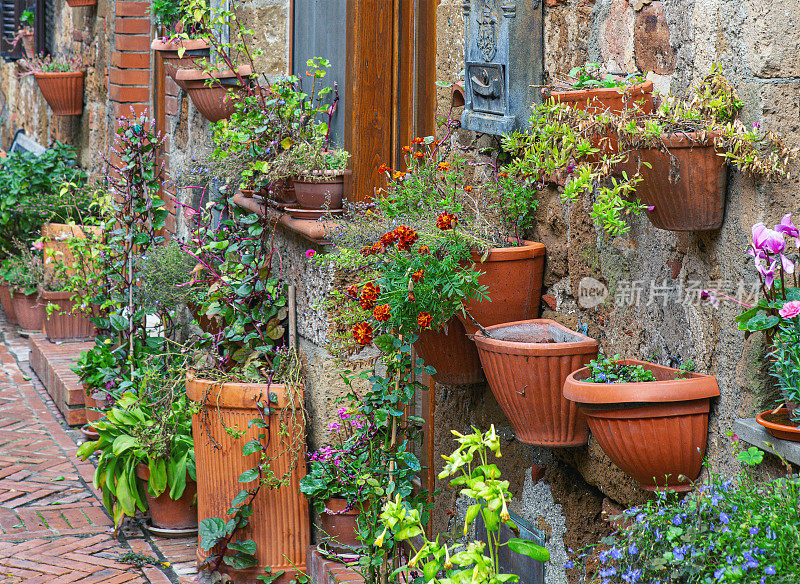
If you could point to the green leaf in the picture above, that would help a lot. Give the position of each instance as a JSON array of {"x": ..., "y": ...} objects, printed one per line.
[
  {"x": 528, "y": 548},
  {"x": 211, "y": 531},
  {"x": 430, "y": 569},
  {"x": 158, "y": 477},
  {"x": 248, "y": 475},
  {"x": 247, "y": 546},
  {"x": 252, "y": 447},
  {"x": 123, "y": 443},
  {"x": 240, "y": 561}
]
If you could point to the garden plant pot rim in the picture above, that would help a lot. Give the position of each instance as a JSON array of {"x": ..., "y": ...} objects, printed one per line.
[
  {"x": 338, "y": 504},
  {"x": 189, "y": 75},
  {"x": 237, "y": 395},
  {"x": 780, "y": 431},
  {"x": 581, "y": 346},
  {"x": 330, "y": 179},
  {"x": 567, "y": 95},
  {"x": 694, "y": 387},
  {"x": 172, "y": 46},
  {"x": 687, "y": 140},
  {"x": 55, "y": 295},
  {"x": 52, "y": 74},
  {"x": 526, "y": 249}
]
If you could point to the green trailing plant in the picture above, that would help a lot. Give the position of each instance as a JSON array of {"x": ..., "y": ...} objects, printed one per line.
[
  {"x": 613, "y": 370},
  {"x": 23, "y": 272},
  {"x": 167, "y": 13},
  {"x": 165, "y": 271},
  {"x": 472, "y": 473},
  {"x": 738, "y": 529},
  {"x": 785, "y": 362},
  {"x": 48, "y": 64},
  {"x": 149, "y": 425},
  {"x": 595, "y": 76}
]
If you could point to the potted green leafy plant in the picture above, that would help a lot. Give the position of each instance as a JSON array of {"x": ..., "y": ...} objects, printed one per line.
[
  {"x": 319, "y": 174},
  {"x": 60, "y": 80},
  {"x": 25, "y": 34},
  {"x": 471, "y": 471},
  {"x": 24, "y": 273},
  {"x": 6, "y": 296},
  {"x": 148, "y": 434},
  {"x": 245, "y": 382},
  {"x": 651, "y": 420},
  {"x": 182, "y": 42},
  {"x": 591, "y": 87}
]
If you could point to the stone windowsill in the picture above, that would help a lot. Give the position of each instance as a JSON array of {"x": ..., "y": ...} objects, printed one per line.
[
  {"x": 313, "y": 230},
  {"x": 750, "y": 431}
]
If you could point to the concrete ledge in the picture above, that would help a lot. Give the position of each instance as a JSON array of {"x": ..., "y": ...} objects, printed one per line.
[
  {"x": 53, "y": 365},
  {"x": 750, "y": 431},
  {"x": 315, "y": 230}
]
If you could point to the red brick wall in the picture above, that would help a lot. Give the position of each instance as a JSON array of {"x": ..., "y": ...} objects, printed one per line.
[{"x": 129, "y": 76}]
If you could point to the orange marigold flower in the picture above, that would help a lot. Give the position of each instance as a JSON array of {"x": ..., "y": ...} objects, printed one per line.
[
  {"x": 363, "y": 333},
  {"x": 376, "y": 248},
  {"x": 417, "y": 276},
  {"x": 502, "y": 174},
  {"x": 366, "y": 251},
  {"x": 444, "y": 166},
  {"x": 388, "y": 239},
  {"x": 398, "y": 175},
  {"x": 352, "y": 291},
  {"x": 424, "y": 320},
  {"x": 418, "y": 154},
  {"x": 381, "y": 313},
  {"x": 407, "y": 149},
  {"x": 384, "y": 168},
  {"x": 424, "y": 249},
  {"x": 369, "y": 295},
  {"x": 468, "y": 189},
  {"x": 406, "y": 237},
  {"x": 417, "y": 140},
  {"x": 446, "y": 221},
  {"x": 411, "y": 297}
]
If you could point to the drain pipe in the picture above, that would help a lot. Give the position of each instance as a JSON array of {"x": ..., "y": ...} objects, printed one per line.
[{"x": 293, "y": 317}]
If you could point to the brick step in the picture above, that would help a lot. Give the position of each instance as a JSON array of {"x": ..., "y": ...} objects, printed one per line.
[{"x": 53, "y": 364}]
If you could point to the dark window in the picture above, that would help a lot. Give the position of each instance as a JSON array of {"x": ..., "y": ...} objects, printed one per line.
[{"x": 10, "y": 13}]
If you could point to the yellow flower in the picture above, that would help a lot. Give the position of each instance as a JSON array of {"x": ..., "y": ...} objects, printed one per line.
[{"x": 381, "y": 537}]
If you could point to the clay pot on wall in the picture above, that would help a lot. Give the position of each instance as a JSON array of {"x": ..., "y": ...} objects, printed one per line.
[
  {"x": 655, "y": 431},
  {"x": 7, "y": 302},
  {"x": 513, "y": 277},
  {"x": 612, "y": 99},
  {"x": 280, "y": 521},
  {"x": 526, "y": 364},
  {"x": 195, "y": 51},
  {"x": 213, "y": 100},
  {"x": 29, "y": 309},
  {"x": 62, "y": 91},
  {"x": 28, "y": 44},
  {"x": 78, "y": 3},
  {"x": 63, "y": 324},
  {"x": 320, "y": 191},
  {"x": 339, "y": 527},
  {"x": 451, "y": 353},
  {"x": 780, "y": 423},
  {"x": 696, "y": 200},
  {"x": 166, "y": 513}
]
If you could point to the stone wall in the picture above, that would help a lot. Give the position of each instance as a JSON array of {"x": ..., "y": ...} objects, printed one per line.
[{"x": 677, "y": 41}]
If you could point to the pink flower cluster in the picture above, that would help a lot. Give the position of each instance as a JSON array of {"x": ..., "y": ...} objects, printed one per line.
[{"x": 768, "y": 249}]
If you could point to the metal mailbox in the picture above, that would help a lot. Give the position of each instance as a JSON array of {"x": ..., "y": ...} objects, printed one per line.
[{"x": 504, "y": 60}]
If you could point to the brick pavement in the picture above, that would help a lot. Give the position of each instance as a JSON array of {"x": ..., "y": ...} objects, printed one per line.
[{"x": 53, "y": 528}]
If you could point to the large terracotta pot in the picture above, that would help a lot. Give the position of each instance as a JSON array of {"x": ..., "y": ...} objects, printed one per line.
[
  {"x": 280, "y": 521},
  {"x": 63, "y": 324},
  {"x": 213, "y": 98},
  {"x": 196, "y": 51},
  {"x": 526, "y": 364},
  {"x": 62, "y": 91},
  {"x": 166, "y": 513},
  {"x": 7, "y": 302},
  {"x": 513, "y": 277},
  {"x": 451, "y": 353},
  {"x": 639, "y": 97},
  {"x": 56, "y": 242},
  {"x": 339, "y": 527},
  {"x": 77, "y": 3},
  {"x": 326, "y": 193},
  {"x": 29, "y": 310},
  {"x": 696, "y": 201},
  {"x": 655, "y": 431}
]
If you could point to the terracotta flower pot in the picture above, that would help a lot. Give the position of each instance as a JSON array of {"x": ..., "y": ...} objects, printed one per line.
[
  {"x": 28, "y": 45},
  {"x": 696, "y": 201},
  {"x": 451, "y": 353},
  {"x": 526, "y": 364},
  {"x": 655, "y": 431},
  {"x": 7, "y": 302},
  {"x": 610, "y": 99},
  {"x": 513, "y": 276},
  {"x": 280, "y": 521},
  {"x": 29, "y": 310},
  {"x": 77, "y": 3},
  {"x": 212, "y": 98},
  {"x": 196, "y": 50},
  {"x": 63, "y": 324},
  {"x": 780, "y": 424},
  {"x": 62, "y": 91},
  {"x": 339, "y": 527},
  {"x": 166, "y": 513},
  {"x": 93, "y": 407},
  {"x": 320, "y": 194}
]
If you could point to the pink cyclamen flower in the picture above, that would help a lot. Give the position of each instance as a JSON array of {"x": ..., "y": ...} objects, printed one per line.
[
  {"x": 334, "y": 427},
  {"x": 711, "y": 296},
  {"x": 790, "y": 309},
  {"x": 310, "y": 253},
  {"x": 651, "y": 208},
  {"x": 343, "y": 413},
  {"x": 767, "y": 240},
  {"x": 788, "y": 228},
  {"x": 38, "y": 245},
  {"x": 768, "y": 273}
]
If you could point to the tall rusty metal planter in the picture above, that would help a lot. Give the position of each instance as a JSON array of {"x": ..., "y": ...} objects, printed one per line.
[
  {"x": 526, "y": 364},
  {"x": 655, "y": 431},
  {"x": 280, "y": 521}
]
